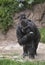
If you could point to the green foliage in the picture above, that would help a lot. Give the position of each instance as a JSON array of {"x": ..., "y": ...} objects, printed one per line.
[
  {"x": 28, "y": 3},
  {"x": 42, "y": 31},
  {"x": 8, "y": 8},
  {"x": 39, "y": 1},
  {"x": 11, "y": 62}
]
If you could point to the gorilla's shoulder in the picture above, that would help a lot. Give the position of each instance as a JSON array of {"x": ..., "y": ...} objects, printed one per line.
[{"x": 30, "y": 22}]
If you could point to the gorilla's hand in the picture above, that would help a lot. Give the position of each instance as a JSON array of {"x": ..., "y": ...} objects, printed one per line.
[
  {"x": 23, "y": 40},
  {"x": 26, "y": 38},
  {"x": 30, "y": 34}
]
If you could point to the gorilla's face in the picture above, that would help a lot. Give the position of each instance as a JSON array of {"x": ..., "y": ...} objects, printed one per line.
[{"x": 23, "y": 23}]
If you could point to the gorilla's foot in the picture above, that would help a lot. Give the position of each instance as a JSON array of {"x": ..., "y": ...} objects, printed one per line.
[
  {"x": 36, "y": 53},
  {"x": 32, "y": 56},
  {"x": 25, "y": 54}
]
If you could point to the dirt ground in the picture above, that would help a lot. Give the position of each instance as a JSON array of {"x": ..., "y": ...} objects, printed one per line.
[{"x": 10, "y": 49}]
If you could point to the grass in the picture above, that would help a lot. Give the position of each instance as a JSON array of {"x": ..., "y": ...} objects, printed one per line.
[
  {"x": 42, "y": 31},
  {"x": 12, "y": 62}
]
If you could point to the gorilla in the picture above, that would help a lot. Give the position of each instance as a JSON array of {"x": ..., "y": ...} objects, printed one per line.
[{"x": 28, "y": 36}]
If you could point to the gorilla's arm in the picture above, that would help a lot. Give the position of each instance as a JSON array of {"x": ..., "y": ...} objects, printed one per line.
[
  {"x": 20, "y": 36},
  {"x": 37, "y": 35},
  {"x": 36, "y": 31},
  {"x": 22, "y": 39}
]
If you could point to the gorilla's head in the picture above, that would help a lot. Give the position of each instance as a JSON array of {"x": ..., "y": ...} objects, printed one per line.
[
  {"x": 22, "y": 16},
  {"x": 23, "y": 20}
]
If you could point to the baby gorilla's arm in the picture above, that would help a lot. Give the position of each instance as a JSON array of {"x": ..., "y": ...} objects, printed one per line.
[{"x": 26, "y": 38}]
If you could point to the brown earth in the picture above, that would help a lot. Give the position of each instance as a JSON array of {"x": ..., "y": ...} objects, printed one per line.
[{"x": 8, "y": 49}]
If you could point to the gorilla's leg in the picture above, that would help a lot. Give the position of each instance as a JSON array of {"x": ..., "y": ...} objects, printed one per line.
[
  {"x": 36, "y": 42},
  {"x": 31, "y": 50},
  {"x": 36, "y": 46},
  {"x": 25, "y": 50}
]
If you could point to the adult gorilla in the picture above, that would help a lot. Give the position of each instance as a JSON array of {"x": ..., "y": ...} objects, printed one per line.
[{"x": 28, "y": 36}]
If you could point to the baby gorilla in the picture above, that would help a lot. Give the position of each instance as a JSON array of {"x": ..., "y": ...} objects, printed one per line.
[{"x": 28, "y": 36}]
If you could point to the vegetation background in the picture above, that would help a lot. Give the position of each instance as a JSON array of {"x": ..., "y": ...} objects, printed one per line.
[
  {"x": 7, "y": 10},
  {"x": 9, "y": 7}
]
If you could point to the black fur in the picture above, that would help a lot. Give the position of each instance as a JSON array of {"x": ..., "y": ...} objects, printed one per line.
[{"x": 28, "y": 36}]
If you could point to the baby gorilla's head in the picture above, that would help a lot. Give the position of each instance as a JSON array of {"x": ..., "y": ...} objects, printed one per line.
[
  {"x": 23, "y": 20},
  {"x": 22, "y": 16}
]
